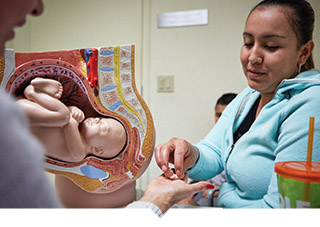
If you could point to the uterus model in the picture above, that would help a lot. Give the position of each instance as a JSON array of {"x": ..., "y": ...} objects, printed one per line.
[{"x": 101, "y": 82}]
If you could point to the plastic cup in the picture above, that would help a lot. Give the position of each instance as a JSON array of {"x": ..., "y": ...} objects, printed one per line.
[{"x": 299, "y": 184}]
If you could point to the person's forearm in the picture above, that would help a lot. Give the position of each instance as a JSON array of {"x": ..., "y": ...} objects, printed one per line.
[{"x": 163, "y": 201}]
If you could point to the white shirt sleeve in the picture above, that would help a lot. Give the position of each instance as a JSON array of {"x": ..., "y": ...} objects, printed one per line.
[{"x": 143, "y": 204}]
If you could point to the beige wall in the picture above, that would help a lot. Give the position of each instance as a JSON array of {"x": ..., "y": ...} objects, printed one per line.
[
  {"x": 69, "y": 24},
  {"x": 203, "y": 59}
]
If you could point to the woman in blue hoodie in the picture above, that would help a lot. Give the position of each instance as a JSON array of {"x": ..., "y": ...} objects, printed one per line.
[{"x": 267, "y": 122}]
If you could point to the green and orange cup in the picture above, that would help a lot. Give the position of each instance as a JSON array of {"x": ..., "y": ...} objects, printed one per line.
[{"x": 299, "y": 184}]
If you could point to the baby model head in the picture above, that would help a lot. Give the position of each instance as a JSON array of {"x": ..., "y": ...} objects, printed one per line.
[{"x": 104, "y": 137}]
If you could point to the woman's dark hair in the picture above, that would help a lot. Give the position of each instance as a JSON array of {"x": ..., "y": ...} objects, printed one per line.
[{"x": 301, "y": 20}]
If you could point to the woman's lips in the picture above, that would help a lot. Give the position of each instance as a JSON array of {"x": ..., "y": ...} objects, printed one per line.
[
  {"x": 253, "y": 73},
  {"x": 21, "y": 23},
  {"x": 11, "y": 34}
]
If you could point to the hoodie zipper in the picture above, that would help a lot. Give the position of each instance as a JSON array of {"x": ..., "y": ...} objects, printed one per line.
[
  {"x": 229, "y": 153},
  {"x": 241, "y": 107}
]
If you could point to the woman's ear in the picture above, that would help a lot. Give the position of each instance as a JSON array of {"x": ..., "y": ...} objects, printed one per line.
[{"x": 306, "y": 51}]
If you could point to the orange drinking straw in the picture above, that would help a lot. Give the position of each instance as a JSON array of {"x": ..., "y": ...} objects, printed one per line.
[
  {"x": 306, "y": 196},
  {"x": 310, "y": 141}
]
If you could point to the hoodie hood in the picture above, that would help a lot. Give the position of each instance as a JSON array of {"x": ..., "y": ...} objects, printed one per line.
[{"x": 302, "y": 81}]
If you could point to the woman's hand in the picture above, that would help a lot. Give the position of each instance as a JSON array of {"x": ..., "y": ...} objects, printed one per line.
[
  {"x": 165, "y": 192},
  {"x": 179, "y": 152}
]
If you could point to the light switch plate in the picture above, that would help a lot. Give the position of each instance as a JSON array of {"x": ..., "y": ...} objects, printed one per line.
[{"x": 165, "y": 83}]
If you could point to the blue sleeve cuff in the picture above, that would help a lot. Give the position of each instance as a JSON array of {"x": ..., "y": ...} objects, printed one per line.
[{"x": 195, "y": 171}]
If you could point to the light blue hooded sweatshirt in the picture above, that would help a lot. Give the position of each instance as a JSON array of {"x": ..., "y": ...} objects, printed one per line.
[{"x": 279, "y": 133}]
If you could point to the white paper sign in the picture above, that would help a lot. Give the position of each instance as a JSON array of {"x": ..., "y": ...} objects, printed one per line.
[{"x": 183, "y": 18}]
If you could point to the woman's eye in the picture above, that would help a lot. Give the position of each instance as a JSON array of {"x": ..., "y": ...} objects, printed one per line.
[
  {"x": 248, "y": 44},
  {"x": 272, "y": 48}
]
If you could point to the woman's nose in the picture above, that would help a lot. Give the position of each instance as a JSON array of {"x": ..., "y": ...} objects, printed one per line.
[
  {"x": 255, "y": 56},
  {"x": 38, "y": 9}
]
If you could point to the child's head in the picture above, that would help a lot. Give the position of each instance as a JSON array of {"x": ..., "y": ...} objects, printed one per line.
[
  {"x": 222, "y": 103},
  {"x": 104, "y": 137}
]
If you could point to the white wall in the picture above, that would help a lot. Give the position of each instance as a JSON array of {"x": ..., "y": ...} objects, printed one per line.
[{"x": 203, "y": 59}]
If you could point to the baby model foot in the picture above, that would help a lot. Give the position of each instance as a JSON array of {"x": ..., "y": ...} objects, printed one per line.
[{"x": 49, "y": 86}]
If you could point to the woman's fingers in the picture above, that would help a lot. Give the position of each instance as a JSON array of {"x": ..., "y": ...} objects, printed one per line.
[
  {"x": 173, "y": 151},
  {"x": 160, "y": 156},
  {"x": 164, "y": 154},
  {"x": 179, "y": 160},
  {"x": 200, "y": 186}
]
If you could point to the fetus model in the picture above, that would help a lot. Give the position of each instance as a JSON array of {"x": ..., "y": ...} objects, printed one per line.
[{"x": 84, "y": 107}]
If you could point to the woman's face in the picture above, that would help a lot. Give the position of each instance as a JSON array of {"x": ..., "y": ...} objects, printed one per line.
[
  {"x": 12, "y": 14},
  {"x": 270, "y": 51}
]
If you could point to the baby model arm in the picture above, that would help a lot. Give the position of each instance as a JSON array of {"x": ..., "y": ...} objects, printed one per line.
[
  {"x": 74, "y": 142},
  {"x": 55, "y": 124}
]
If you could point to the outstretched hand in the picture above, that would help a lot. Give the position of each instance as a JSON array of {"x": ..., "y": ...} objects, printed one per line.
[
  {"x": 165, "y": 192},
  {"x": 179, "y": 152}
]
